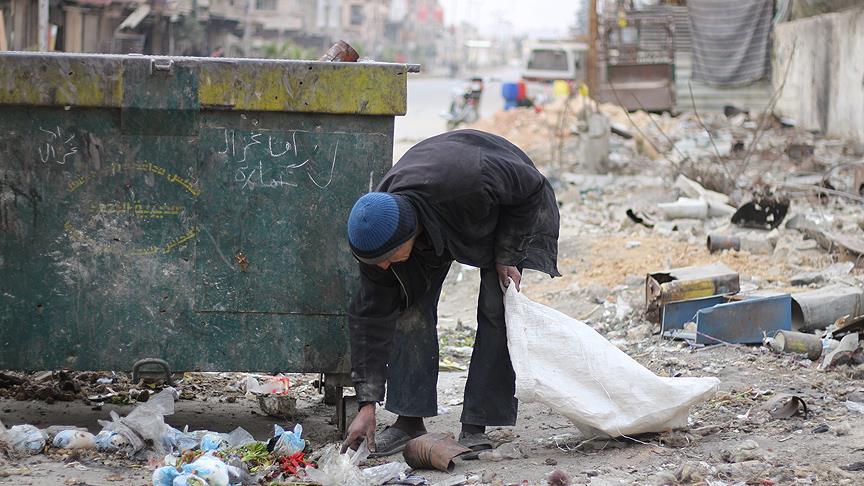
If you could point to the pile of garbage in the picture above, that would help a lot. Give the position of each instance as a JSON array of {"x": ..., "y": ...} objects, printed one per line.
[{"x": 203, "y": 457}]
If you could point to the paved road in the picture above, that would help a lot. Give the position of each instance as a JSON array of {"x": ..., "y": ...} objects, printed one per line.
[{"x": 428, "y": 96}]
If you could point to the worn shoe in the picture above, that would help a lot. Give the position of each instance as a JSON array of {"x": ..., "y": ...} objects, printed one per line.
[
  {"x": 477, "y": 443},
  {"x": 392, "y": 441}
]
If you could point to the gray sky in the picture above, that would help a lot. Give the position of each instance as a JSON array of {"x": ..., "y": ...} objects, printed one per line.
[{"x": 538, "y": 18}]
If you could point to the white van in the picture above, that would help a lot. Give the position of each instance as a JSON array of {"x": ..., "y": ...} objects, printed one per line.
[{"x": 549, "y": 60}]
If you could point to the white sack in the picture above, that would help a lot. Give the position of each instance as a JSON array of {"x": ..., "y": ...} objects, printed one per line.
[{"x": 567, "y": 365}]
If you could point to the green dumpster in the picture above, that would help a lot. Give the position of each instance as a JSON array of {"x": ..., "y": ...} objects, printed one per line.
[{"x": 185, "y": 209}]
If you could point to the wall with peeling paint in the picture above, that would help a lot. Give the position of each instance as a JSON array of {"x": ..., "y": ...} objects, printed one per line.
[{"x": 824, "y": 88}]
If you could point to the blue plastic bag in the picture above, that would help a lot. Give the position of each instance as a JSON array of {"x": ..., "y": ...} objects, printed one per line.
[
  {"x": 210, "y": 469},
  {"x": 165, "y": 475},
  {"x": 288, "y": 443}
]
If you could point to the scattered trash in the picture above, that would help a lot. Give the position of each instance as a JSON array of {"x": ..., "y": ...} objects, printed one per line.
[
  {"x": 144, "y": 426},
  {"x": 676, "y": 314},
  {"x": 558, "y": 478},
  {"x": 764, "y": 212},
  {"x": 281, "y": 406},
  {"x": 685, "y": 208},
  {"x": 821, "y": 429},
  {"x": 818, "y": 309},
  {"x": 722, "y": 242},
  {"x": 747, "y": 450},
  {"x": 760, "y": 245},
  {"x": 341, "y": 51},
  {"x": 842, "y": 354},
  {"x": 74, "y": 439},
  {"x": 784, "y": 406},
  {"x": 213, "y": 441},
  {"x": 278, "y": 384},
  {"x": 827, "y": 239},
  {"x": 108, "y": 441},
  {"x": 208, "y": 468},
  {"x": 335, "y": 469},
  {"x": 824, "y": 275},
  {"x": 846, "y": 324},
  {"x": 718, "y": 203},
  {"x": 435, "y": 451},
  {"x": 239, "y": 437},
  {"x": 508, "y": 450},
  {"x": 854, "y": 406},
  {"x": 742, "y": 319},
  {"x": 639, "y": 219},
  {"x": 808, "y": 345},
  {"x": 687, "y": 283},
  {"x": 287, "y": 443},
  {"x": 23, "y": 439}
]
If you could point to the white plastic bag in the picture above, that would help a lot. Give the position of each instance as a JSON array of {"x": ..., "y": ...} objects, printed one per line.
[
  {"x": 567, "y": 365},
  {"x": 335, "y": 469},
  {"x": 144, "y": 425},
  {"x": 24, "y": 439}
]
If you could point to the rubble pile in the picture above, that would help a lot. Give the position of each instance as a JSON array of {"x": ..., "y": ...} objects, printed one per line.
[{"x": 711, "y": 245}]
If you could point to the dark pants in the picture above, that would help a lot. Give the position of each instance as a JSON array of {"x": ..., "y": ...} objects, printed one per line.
[{"x": 413, "y": 370}]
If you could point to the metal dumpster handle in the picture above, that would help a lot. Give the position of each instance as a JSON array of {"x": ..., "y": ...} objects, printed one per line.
[
  {"x": 166, "y": 65},
  {"x": 166, "y": 369}
]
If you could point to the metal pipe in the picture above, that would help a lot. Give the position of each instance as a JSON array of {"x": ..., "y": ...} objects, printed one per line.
[{"x": 723, "y": 242}]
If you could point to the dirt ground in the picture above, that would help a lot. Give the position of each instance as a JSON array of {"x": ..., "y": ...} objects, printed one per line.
[
  {"x": 599, "y": 270},
  {"x": 604, "y": 257}
]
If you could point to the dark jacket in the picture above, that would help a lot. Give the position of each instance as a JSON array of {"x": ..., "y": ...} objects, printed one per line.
[{"x": 480, "y": 201}]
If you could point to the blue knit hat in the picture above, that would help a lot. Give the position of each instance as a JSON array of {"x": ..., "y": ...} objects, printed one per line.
[{"x": 380, "y": 223}]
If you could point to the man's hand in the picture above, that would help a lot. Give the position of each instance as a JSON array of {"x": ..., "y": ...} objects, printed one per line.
[
  {"x": 362, "y": 427},
  {"x": 507, "y": 272}
]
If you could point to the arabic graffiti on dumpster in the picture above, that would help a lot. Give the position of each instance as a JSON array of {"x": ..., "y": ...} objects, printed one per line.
[{"x": 261, "y": 159}]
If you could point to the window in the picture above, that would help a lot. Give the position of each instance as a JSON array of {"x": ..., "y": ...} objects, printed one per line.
[
  {"x": 265, "y": 4},
  {"x": 548, "y": 60},
  {"x": 357, "y": 15}
]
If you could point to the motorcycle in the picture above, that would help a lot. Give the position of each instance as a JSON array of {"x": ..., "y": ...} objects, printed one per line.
[{"x": 464, "y": 104}]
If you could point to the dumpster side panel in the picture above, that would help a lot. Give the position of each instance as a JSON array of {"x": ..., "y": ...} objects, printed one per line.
[{"x": 218, "y": 245}]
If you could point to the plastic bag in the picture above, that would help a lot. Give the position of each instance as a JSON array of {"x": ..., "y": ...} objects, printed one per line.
[
  {"x": 210, "y": 469},
  {"x": 567, "y": 365},
  {"x": 279, "y": 385},
  {"x": 288, "y": 443},
  {"x": 240, "y": 437},
  {"x": 74, "y": 439},
  {"x": 144, "y": 425},
  {"x": 335, "y": 469},
  {"x": 108, "y": 441},
  {"x": 178, "y": 441},
  {"x": 165, "y": 475},
  {"x": 24, "y": 439},
  {"x": 213, "y": 441}
]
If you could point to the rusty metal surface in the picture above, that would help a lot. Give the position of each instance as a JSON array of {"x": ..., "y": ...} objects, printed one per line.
[
  {"x": 723, "y": 242},
  {"x": 745, "y": 321},
  {"x": 676, "y": 314},
  {"x": 101, "y": 80},
  {"x": 638, "y": 62},
  {"x": 687, "y": 283},
  {"x": 819, "y": 308},
  {"x": 158, "y": 227}
]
